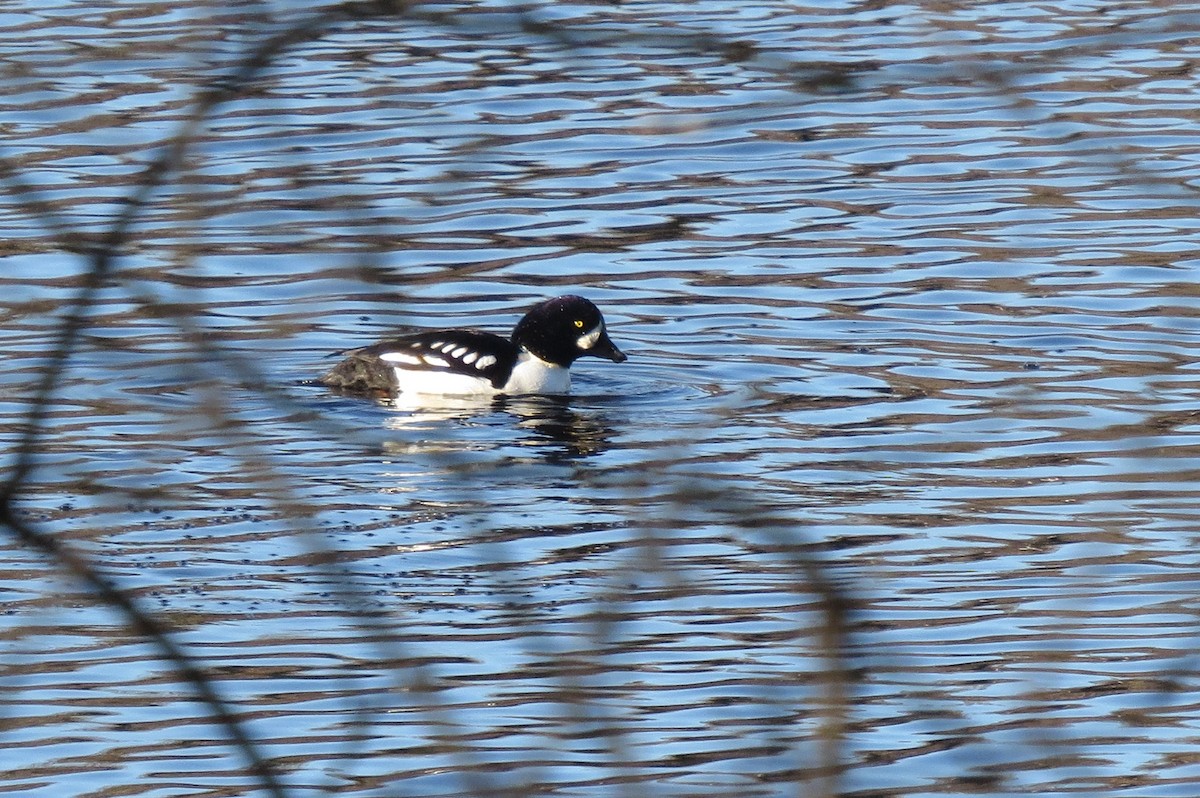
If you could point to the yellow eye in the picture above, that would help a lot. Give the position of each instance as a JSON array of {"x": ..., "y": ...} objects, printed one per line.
[{"x": 579, "y": 324}]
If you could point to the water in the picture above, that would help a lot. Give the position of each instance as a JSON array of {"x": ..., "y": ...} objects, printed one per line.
[{"x": 894, "y": 497}]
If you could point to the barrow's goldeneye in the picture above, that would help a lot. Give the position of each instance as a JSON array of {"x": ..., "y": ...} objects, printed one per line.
[{"x": 544, "y": 344}]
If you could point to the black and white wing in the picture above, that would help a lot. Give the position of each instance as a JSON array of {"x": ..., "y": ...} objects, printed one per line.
[{"x": 385, "y": 365}]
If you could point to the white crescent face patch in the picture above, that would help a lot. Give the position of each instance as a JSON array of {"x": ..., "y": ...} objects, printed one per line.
[{"x": 589, "y": 338}]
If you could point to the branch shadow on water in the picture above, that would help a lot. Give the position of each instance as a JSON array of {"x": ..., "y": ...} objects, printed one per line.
[{"x": 650, "y": 568}]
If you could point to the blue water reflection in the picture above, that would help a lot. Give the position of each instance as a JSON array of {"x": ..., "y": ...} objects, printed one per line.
[{"x": 910, "y": 345}]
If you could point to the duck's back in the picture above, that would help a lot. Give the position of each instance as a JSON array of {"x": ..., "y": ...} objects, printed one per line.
[{"x": 436, "y": 362}]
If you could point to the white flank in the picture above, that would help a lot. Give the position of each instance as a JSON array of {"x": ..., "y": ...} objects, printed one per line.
[
  {"x": 530, "y": 375},
  {"x": 399, "y": 357},
  {"x": 418, "y": 382}
]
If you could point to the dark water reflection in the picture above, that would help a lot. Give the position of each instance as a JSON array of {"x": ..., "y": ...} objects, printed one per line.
[{"x": 910, "y": 347}]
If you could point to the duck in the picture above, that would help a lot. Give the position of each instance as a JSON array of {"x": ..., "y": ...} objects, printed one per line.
[{"x": 535, "y": 359}]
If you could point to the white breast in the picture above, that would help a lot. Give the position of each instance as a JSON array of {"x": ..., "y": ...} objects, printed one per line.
[{"x": 534, "y": 375}]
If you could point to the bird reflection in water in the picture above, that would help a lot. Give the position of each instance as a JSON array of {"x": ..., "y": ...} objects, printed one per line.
[{"x": 560, "y": 432}]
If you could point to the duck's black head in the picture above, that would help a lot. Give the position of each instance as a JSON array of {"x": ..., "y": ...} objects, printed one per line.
[{"x": 563, "y": 329}]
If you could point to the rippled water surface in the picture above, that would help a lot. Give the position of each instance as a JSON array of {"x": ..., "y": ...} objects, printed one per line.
[{"x": 895, "y": 496}]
